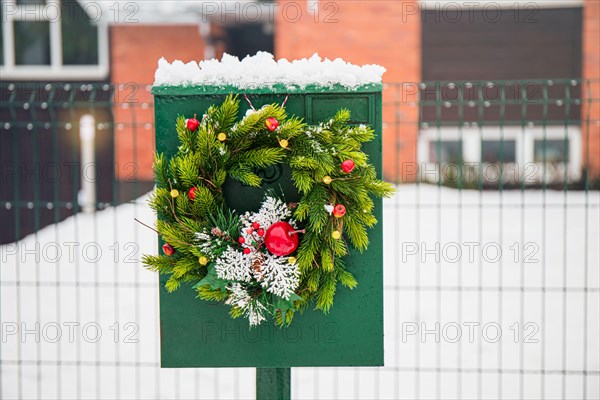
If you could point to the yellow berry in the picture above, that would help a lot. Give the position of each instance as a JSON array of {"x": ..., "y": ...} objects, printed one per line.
[
  {"x": 203, "y": 260},
  {"x": 336, "y": 235},
  {"x": 292, "y": 260},
  {"x": 327, "y": 179},
  {"x": 174, "y": 193},
  {"x": 222, "y": 137},
  {"x": 283, "y": 143}
]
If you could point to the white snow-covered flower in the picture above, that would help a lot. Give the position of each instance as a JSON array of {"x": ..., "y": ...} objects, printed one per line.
[
  {"x": 206, "y": 243},
  {"x": 233, "y": 265},
  {"x": 238, "y": 296},
  {"x": 278, "y": 276},
  {"x": 253, "y": 309},
  {"x": 329, "y": 208},
  {"x": 255, "y": 312},
  {"x": 271, "y": 210}
]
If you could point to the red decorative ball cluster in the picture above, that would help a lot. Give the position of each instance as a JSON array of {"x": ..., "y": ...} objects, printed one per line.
[{"x": 255, "y": 228}]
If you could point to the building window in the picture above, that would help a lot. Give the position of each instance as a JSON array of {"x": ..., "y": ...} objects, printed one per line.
[
  {"x": 32, "y": 42},
  {"x": 445, "y": 151},
  {"x": 51, "y": 40},
  {"x": 498, "y": 151},
  {"x": 551, "y": 151},
  {"x": 79, "y": 39}
]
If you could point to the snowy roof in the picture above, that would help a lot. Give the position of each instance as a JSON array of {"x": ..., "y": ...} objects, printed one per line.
[{"x": 263, "y": 71}]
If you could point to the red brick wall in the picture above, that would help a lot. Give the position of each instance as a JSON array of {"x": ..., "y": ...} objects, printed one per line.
[
  {"x": 591, "y": 70},
  {"x": 365, "y": 32},
  {"x": 135, "y": 51}
]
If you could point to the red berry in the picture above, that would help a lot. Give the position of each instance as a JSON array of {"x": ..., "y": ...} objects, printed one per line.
[
  {"x": 192, "y": 124},
  {"x": 348, "y": 166},
  {"x": 261, "y": 232},
  {"x": 247, "y": 250},
  {"x": 168, "y": 249},
  {"x": 271, "y": 123},
  {"x": 192, "y": 193},
  {"x": 339, "y": 210},
  {"x": 249, "y": 231},
  {"x": 255, "y": 225},
  {"x": 241, "y": 240}
]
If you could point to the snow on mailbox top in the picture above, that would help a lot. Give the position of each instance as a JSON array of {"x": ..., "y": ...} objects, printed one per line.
[{"x": 263, "y": 71}]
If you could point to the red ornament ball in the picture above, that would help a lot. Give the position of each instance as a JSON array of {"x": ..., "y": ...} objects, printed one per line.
[
  {"x": 247, "y": 250},
  {"x": 348, "y": 166},
  {"x": 192, "y": 124},
  {"x": 168, "y": 249},
  {"x": 249, "y": 230},
  {"x": 281, "y": 239},
  {"x": 271, "y": 123},
  {"x": 255, "y": 225},
  {"x": 192, "y": 193},
  {"x": 339, "y": 210},
  {"x": 241, "y": 240},
  {"x": 261, "y": 232}
]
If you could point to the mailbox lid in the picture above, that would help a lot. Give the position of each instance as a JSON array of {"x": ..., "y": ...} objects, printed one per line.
[
  {"x": 190, "y": 90},
  {"x": 197, "y": 333}
]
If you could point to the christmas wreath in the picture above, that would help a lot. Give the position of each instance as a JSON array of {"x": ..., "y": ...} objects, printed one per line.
[{"x": 285, "y": 256}]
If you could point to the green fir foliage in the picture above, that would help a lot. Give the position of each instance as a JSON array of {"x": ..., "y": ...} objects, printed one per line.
[{"x": 314, "y": 153}]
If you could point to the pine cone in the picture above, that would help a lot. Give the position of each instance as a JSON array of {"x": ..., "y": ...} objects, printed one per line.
[{"x": 258, "y": 261}]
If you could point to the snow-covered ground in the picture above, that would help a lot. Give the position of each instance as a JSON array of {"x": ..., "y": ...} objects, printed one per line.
[{"x": 81, "y": 279}]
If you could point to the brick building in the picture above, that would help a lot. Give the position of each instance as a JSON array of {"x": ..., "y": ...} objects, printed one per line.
[{"x": 416, "y": 41}]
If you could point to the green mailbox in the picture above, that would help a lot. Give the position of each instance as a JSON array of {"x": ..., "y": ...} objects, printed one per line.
[{"x": 196, "y": 333}]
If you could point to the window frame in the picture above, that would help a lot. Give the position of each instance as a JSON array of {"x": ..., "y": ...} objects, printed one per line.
[{"x": 56, "y": 70}]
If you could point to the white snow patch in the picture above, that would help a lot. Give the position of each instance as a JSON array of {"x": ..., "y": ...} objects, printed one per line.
[{"x": 262, "y": 70}]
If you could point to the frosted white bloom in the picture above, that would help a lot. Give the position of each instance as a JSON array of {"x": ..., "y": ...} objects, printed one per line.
[
  {"x": 271, "y": 210},
  {"x": 262, "y": 70},
  {"x": 278, "y": 276},
  {"x": 238, "y": 296},
  {"x": 253, "y": 309},
  {"x": 316, "y": 146},
  {"x": 329, "y": 208},
  {"x": 233, "y": 265},
  {"x": 255, "y": 312},
  {"x": 222, "y": 150},
  {"x": 206, "y": 243}
]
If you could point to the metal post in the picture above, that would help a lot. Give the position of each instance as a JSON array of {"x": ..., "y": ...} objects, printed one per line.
[
  {"x": 87, "y": 133},
  {"x": 273, "y": 383}
]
